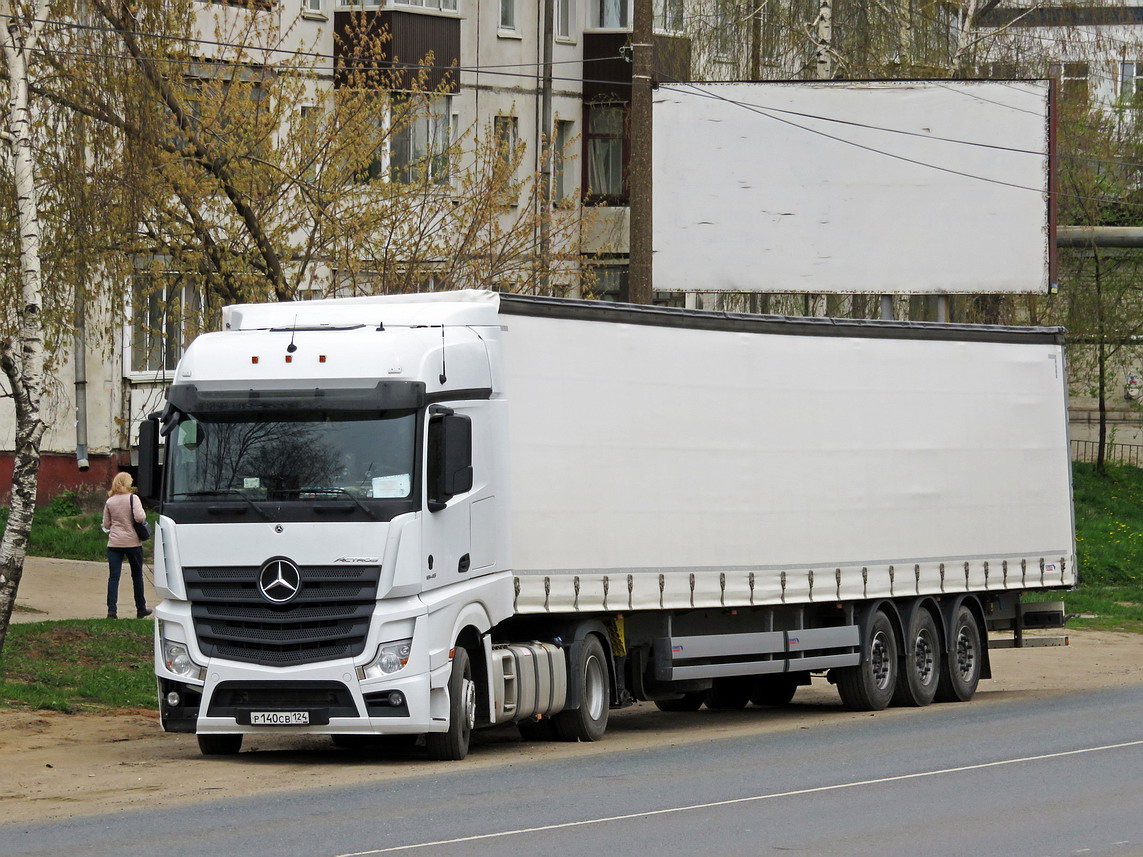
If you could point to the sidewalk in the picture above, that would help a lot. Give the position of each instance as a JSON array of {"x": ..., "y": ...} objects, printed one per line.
[{"x": 72, "y": 589}]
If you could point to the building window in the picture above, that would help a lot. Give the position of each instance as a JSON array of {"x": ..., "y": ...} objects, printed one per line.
[
  {"x": 726, "y": 29},
  {"x": 506, "y": 137},
  {"x": 1131, "y": 84},
  {"x": 565, "y": 14},
  {"x": 563, "y": 177},
  {"x": 606, "y": 153},
  {"x": 607, "y": 281},
  {"x": 669, "y": 16},
  {"x": 611, "y": 14},
  {"x": 229, "y": 102},
  {"x": 443, "y": 5},
  {"x": 1074, "y": 80},
  {"x": 167, "y": 313},
  {"x": 313, "y": 8},
  {"x": 420, "y": 141},
  {"x": 507, "y": 14}
]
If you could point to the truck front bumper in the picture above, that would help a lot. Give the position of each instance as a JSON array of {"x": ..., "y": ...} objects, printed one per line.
[{"x": 235, "y": 700}]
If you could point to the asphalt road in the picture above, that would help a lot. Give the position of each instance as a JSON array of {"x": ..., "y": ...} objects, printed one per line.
[{"x": 1061, "y": 775}]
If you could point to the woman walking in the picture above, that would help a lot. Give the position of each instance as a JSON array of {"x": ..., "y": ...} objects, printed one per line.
[{"x": 119, "y": 512}]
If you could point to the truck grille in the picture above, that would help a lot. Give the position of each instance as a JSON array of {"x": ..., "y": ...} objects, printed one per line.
[{"x": 327, "y": 620}]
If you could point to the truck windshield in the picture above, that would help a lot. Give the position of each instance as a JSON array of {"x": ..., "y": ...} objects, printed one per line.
[{"x": 310, "y": 457}]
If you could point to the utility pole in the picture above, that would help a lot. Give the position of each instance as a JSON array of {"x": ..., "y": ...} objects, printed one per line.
[
  {"x": 639, "y": 286},
  {"x": 546, "y": 153}
]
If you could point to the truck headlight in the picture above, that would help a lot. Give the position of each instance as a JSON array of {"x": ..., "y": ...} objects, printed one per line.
[
  {"x": 391, "y": 658},
  {"x": 177, "y": 659}
]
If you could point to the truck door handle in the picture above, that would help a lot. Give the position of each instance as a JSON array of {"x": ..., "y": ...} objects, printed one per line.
[{"x": 463, "y": 565}]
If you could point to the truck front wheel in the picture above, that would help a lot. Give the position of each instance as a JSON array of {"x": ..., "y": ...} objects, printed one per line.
[
  {"x": 452, "y": 746},
  {"x": 589, "y": 721},
  {"x": 869, "y": 685}
]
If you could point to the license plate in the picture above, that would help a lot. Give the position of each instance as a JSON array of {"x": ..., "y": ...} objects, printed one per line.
[{"x": 279, "y": 718}]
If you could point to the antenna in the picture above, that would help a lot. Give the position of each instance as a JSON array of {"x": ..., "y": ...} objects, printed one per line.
[
  {"x": 291, "y": 348},
  {"x": 444, "y": 375}
]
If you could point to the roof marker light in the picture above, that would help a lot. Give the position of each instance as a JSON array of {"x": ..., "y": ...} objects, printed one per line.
[
  {"x": 254, "y": 358},
  {"x": 321, "y": 358},
  {"x": 289, "y": 358}
]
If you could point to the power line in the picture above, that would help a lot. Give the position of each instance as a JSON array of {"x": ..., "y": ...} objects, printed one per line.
[{"x": 500, "y": 69}]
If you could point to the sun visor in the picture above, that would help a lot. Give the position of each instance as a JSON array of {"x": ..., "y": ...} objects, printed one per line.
[{"x": 384, "y": 396}]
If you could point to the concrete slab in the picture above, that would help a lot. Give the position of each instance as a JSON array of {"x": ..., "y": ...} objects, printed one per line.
[{"x": 72, "y": 589}]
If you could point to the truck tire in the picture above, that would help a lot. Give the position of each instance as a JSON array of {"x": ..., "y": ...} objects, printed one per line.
[
  {"x": 920, "y": 671},
  {"x": 731, "y": 693},
  {"x": 960, "y": 667},
  {"x": 214, "y": 744},
  {"x": 687, "y": 702},
  {"x": 588, "y": 722},
  {"x": 869, "y": 685},
  {"x": 774, "y": 690},
  {"x": 452, "y": 746}
]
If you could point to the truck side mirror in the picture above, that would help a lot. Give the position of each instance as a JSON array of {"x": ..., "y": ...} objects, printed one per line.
[
  {"x": 149, "y": 478},
  {"x": 450, "y": 457}
]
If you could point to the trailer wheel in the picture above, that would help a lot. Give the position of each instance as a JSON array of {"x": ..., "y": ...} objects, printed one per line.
[
  {"x": 589, "y": 721},
  {"x": 869, "y": 685},
  {"x": 691, "y": 701},
  {"x": 775, "y": 690},
  {"x": 452, "y": 746},
  {"x": 213, "y": 744},
  {"x": 920, "y": 670},
  {"x": 730, "y": 693},
  {"x": 960, "y": 667}
]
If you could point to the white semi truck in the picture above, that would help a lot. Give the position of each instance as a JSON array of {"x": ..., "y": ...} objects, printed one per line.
[{"x": 424, "y": 514}]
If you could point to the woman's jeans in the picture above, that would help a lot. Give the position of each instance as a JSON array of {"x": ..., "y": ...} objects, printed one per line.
[{"x": 115, "y": 565}]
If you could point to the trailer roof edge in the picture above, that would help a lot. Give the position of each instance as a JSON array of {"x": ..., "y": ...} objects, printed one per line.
[{"x": 656, "y": 316}]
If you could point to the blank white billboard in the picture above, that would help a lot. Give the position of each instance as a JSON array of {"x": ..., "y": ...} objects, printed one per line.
[{"x": 904, "y": 187}]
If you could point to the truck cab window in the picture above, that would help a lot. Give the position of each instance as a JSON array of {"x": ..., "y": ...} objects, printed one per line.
[{"x": 311, "y": 456}]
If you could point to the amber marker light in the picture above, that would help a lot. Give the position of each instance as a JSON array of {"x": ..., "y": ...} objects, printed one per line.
[
  {"x": 289, "y": 358},
  {"x": 254, "y": 358},
  {"x": 321, "y": 358}
]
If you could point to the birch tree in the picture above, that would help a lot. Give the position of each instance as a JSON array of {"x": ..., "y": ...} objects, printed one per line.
[{"x": 22, "y": 350}]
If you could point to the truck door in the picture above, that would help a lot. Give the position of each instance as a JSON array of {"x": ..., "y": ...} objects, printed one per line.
[{"x": 447, "y": 532}]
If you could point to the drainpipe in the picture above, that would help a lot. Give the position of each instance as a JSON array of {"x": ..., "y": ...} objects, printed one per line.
[{"x": 80, "y": 380}]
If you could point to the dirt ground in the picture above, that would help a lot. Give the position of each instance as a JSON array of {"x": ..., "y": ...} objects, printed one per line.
[{"x": 58, "y": 765}]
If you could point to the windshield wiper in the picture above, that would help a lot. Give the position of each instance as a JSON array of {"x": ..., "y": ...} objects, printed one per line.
[
  {"x": 322, "y": 489},
  {"x": 222, "y": 492}
]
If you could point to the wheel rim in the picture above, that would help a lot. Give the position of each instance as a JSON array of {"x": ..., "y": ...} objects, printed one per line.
[
  {"x": 924, "y": 653},
  {"x": 880, "y": 661},
  {"x": 594, "y": 683},
  {"x": 468, "y": 694},
  {"x": 965, "y": 654}
]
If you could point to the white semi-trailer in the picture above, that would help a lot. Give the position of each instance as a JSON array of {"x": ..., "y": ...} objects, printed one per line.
[{"x": 420, "y": 515}]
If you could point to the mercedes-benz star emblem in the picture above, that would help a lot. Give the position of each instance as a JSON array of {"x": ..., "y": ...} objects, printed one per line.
[{"x": 279, "y": 580}]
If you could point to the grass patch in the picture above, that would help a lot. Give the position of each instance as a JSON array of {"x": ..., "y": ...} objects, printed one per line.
[
  {"x": 1109, "y": 525},
  {"x": 64, "y": 531},
  {"x": 1109, "y": 548},
  {"x": 78, "y": 665}
]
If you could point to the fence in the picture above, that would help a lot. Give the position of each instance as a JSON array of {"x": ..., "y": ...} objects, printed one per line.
[{"x": 1120, "y": 453}]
